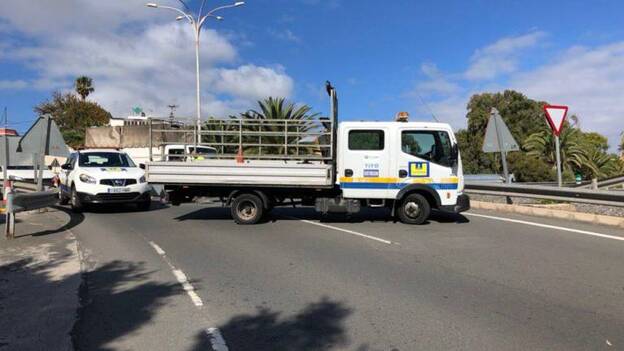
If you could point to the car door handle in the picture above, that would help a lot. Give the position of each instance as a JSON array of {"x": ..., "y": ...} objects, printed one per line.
[
  {"x": 402, "y": 173},
  {"x": 348, "y": 172}
]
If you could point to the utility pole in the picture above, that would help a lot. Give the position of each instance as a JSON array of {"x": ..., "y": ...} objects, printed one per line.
[{"x": 196, "y": 23}]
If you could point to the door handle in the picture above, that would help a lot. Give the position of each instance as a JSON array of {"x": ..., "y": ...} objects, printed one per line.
[
  {"x": 348, "y": 172},
  {"x": 402, "y": 173}
]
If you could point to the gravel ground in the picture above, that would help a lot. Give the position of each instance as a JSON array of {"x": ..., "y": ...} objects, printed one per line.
[{"x": 585, "y": 208}]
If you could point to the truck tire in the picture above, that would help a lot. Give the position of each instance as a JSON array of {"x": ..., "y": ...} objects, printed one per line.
[
  {"x": 247, "y": 209},
  {"x": 414, "y": 209},
  {"x": 76, "y": 204}
]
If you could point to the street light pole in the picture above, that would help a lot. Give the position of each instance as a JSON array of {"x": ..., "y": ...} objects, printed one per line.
[{"x": 197, "y": 23}]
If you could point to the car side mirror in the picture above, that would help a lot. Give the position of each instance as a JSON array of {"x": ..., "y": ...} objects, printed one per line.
[
  {"x": 142, "y": 165},
  {"x": 66, "y": 167}
]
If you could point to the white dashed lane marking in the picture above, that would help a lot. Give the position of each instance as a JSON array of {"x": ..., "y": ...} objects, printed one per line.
[{"x": 214, "y": 335}]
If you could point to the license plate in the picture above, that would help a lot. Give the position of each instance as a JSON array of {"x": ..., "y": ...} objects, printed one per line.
[{"x": 118, "y": 190}]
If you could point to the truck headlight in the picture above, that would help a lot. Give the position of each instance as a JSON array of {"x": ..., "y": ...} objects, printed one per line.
[
  {"x": 85, "y": 178},
  {"x": 142, "y": 179}
]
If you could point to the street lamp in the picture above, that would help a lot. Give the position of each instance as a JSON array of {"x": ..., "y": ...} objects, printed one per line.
[{"x": 197, "y": 23}]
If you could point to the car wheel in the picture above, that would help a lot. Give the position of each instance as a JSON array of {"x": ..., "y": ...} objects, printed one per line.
[
  {"x": 247, "y": 209},
  {"x": 63, "y": 200},
  {"x": 76, "y": 204},
  {"x": 144, "y": 205},
  {"x": 414, "y": 209}
]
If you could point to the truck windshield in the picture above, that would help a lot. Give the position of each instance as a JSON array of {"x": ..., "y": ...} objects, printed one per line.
[
  {"x": 105, "y": 159},
  {"x": 430, "y": 145}
]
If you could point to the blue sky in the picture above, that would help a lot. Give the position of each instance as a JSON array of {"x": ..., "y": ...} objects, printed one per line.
[{"x": 383, "y": 57}]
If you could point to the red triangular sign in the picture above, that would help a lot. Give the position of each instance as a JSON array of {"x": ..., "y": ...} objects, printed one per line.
[{"x": 556, "y": 115}]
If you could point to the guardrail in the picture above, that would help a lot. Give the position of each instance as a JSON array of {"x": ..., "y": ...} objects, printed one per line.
[
  {"x": 597, "y": 197},
  {"x": 25, "y": 201}
]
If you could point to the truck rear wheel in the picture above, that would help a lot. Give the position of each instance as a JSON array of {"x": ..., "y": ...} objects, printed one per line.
[
  {"x": 247, "y": 209},
  {"x": 414, "y": 209}
]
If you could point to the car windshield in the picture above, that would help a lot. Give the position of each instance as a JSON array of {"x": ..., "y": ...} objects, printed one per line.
[{"x": 105, "y": 159}]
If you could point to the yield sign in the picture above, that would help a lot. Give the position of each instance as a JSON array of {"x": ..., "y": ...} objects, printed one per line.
[{"x": 555, "y": 116}]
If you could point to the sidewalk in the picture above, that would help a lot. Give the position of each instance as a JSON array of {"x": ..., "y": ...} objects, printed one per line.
[{"x": 39, "y": 281}]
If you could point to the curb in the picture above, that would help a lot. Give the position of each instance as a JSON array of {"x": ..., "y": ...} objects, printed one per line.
[{"x": 549, "y": 213}]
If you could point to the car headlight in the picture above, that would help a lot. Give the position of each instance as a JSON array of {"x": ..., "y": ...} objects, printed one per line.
[
  {"x": 142, "y": 179},
  {"x": 85, "y": 178}
]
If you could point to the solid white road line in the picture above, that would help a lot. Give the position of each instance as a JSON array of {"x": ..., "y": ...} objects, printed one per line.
[
  {"x": 158, "y": 249},
  {"x": 216, "y": 340},
  {"x": 584, "y": 232},
  {"x": 388, "y": 242}
]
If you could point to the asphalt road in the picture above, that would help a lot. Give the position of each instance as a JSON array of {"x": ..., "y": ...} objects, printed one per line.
[{"x": 188, "y": 278}]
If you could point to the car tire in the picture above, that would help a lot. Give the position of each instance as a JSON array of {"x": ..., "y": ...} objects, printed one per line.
[
  {"x": 63, "y": 200},
  {"x": 144, "y": 205},
  {"x": 414, "y": 209},
  {"x": 247, "y": 209},
  {"x": 76, "y": 205}
]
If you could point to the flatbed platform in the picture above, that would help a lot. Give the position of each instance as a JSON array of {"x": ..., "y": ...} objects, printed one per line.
[{"x": 261, "y": 173}]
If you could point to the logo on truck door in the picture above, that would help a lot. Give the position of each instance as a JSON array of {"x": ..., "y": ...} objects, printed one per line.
[{"x": 419, "y": 169}]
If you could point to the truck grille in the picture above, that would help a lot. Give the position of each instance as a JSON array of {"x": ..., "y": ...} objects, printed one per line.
[
  {"x": 118, "y": 182},
  {"x": 117, "y": 196}
]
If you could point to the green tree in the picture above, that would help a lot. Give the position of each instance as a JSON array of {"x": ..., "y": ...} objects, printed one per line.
[
  {"x": 271, "y": 110},
  {"x": 73, "y": 116},
  {"x": 574, "y": 156},
  {"x": 523, "y": 116},
  {"x": 84, "y": 86}
]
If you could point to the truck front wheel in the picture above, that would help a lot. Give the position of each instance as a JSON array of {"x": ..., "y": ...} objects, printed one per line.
[
  {"x": 414, "y": 209},
  {"x": 247, "y": 209}
]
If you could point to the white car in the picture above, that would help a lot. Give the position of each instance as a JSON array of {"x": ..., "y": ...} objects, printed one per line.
[{"x": 102, "y": 176}]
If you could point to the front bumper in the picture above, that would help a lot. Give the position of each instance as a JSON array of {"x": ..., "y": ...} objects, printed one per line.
[
  {"x": 462, "y": 205},
  {"x": 114, "y": 198}
]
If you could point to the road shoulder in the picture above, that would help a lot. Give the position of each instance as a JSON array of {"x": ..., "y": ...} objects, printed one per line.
[{"x": 39, "y": 280}]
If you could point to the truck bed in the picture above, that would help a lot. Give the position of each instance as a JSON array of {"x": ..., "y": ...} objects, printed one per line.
[{"x": 263, "y": 173}]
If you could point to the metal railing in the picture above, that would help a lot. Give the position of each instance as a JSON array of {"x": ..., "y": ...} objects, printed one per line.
[
  {"x": 25, "y": 201},
  {"x": 597, "y": 197},
  {"x": 274, "y": 139}
]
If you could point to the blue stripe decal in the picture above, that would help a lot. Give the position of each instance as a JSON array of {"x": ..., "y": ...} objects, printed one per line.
[{"x": 362, "y": 185}]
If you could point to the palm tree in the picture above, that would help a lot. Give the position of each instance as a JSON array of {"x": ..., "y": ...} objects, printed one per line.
[
  {"x": 84, "y": 86},
  {"x": 270, "y": 117},
  {"x": 573, "y": 154}
]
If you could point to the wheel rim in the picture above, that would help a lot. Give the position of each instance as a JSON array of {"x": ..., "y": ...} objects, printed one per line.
[
  {"x": 246, "y": 210},
  {"x": 412, "y": 209}
]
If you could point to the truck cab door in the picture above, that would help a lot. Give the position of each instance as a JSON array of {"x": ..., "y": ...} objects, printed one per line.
[
  {"x": 425, "y": 157},
  {"x": 364, "y": 162}
]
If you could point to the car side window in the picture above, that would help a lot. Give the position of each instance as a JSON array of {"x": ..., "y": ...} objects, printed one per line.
[{"x": 430, "y": 145}]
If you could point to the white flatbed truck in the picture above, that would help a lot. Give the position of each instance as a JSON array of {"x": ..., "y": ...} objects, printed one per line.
[{"x": 409, "y": 167}]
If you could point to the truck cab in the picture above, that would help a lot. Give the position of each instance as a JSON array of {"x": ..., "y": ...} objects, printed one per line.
[{"x": 415, "y": 165}]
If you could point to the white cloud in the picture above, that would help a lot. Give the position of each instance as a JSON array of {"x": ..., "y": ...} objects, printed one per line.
[
  {"x": 142, "y": 59},
  {"x": 254, "y": 82},
  {"x": 286, "y": 35},
  {"x": 13, "y": 84},
  {"x": 436, "y": 82},
  {"x": 500, "y": 57},
  {"x": 589, "y": 80}
]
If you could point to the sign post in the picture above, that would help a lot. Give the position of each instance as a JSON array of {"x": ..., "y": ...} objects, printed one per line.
[
  {"x": 556, "y": 115},
  {"x": 498, "y": 138}
]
